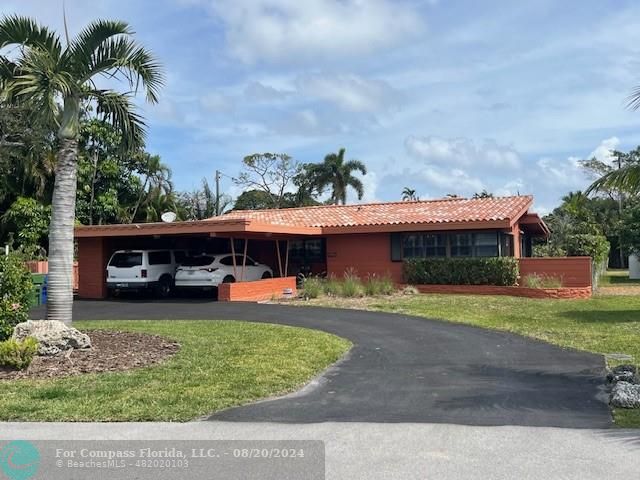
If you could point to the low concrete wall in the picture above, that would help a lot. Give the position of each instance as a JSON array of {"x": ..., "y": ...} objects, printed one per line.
[
  {"x": 563, "y": 292},
  {"x": 573, "y": 271},
  {"x": 257, "y": 291}
]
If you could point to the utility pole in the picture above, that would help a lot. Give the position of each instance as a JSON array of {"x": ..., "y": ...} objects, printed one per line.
[{"x": 217, "y": 192}]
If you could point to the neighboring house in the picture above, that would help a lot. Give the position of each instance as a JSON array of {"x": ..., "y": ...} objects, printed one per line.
[{"x": 369, "y": 238}]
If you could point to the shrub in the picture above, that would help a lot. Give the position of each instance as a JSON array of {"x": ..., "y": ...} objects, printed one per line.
[
  {"x": 312, "y": 287},
  {"x": 594, "y": 246},
  {"x": 501, "y": 271},
  {"x": 332, "y": 287},
  {"x": 15, "y": 289},
  {"x": 541, "y": 281},
  {"x": 18, "y": 354},
  {"x": 375, "y": 285},
  {"x": 351, "y": 285}
]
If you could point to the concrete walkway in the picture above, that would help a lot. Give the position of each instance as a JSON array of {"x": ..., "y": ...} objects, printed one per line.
[
  {"x": 370, "y": 451},
  {"x": 409, "y": 369}
]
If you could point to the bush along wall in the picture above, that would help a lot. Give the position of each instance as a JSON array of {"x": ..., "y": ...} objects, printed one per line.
[{"x": 502, "y": 271}]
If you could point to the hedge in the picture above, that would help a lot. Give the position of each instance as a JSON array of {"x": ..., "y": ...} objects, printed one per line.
[{"x": 502, "y": 271}]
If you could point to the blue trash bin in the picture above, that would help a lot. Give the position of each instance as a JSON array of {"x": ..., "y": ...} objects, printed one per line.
[{"x": 43, "y": 291}]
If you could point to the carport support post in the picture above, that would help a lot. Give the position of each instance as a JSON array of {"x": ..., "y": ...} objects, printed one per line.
[
  {"x": 233, "y": 256},
  {"x": 244, "y": 260},
  {"x": 279, "y": 257},
  {"x": 286, "y": 260}
]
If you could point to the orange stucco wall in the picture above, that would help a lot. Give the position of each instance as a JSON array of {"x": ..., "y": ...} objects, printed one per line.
[
  {"x": 92, "y": 258},
  {"x": 367, "y": 254},
  {"x": 257, "y": 290},
  {"x": 573, "y": 271}
]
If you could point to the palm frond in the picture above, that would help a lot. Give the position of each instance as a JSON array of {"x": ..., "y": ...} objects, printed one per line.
[
  {"x": 633, "y": 100},
  {"x": 121, "y": 56},
  {"x": 92, "y": 37},
  {"x": 353, "y": 165},
  {"x": 626, "y": 179},
  {"x": 17, "y": 30},
  {"x": 118, "y": 110},
  {"x": 357, "y": 185}
]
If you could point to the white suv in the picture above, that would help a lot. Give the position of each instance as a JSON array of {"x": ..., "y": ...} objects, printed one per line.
[
  {"x": 135, "y": 270},
  {"x": 208, "y": 271}
]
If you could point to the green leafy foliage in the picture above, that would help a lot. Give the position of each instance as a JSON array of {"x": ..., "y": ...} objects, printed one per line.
[
  {"x": 29, "y": 219},
  {"x": 378, "y": 285},
  {"x": 630, "y": 229},
  {"x": 462, "y": 271},
  {"x": 583, "y": 244},
  {"x": 18, "y": 354},
  {"x": 15, "y": 288}
]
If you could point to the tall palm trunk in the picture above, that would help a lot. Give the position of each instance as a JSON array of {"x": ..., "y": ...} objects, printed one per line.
[
  {"x": 60, "y": 288},
  {"x": 139, "y": 202}
]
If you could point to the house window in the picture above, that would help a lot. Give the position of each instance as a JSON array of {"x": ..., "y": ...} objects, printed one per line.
[
  {"x": 486, "y": 244},
  {"x": 307, "y": 251},
  {"x": 424, "y": 245},
  {"x": 462, "y": 245}
]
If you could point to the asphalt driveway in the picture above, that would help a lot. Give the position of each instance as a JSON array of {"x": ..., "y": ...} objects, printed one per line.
[{"x": 407, "y": 369}]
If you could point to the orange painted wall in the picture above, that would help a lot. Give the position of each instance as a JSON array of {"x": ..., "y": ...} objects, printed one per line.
[
  {"x": 256, "y": 291},
  {"x": 574, "y": 271},
  {"x": 92, "y": 258},
  {"x": 366, "y": 253}
]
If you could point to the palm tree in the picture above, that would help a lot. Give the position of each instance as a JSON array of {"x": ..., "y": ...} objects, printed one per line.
[
  {"x": 157, "y": 176},
  {"x": 59, "y": 81},
  {"x": 334, "y": 172},
  {"x": 409, "y": 195}
]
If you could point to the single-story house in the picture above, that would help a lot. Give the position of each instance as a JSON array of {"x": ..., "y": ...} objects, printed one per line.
[{"x": 370, "y": 238}]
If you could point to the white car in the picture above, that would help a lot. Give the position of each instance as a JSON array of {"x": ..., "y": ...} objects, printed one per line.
[
  {"x": 209, "y": 271},
  {"x": 136, "y": 270}
]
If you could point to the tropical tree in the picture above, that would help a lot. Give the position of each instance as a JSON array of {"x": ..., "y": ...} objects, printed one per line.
[
  {"x": 409, "y": 195},
  {"x": 59, "y": 81},
  {"x": 270, "y": 173},
  {"x": 483, "y": 194},
  {"x": 157, "y": 178},
  {"x": 337, "y": 174}
]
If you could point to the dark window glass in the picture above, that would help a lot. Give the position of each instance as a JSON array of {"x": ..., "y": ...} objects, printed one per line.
[
  {"x": 506, "y": 245},
  {"x": 313, "y": 250},
  {"x": 462, "y": 245},
  {"x": 159, "y": 258},
  {"x": 126, "y": 260},
  {"x": 228, "y": 260},
  {"x": 396, "y": 247},
  {"x": 296, "y": 249},
  {"x": 424, "y": 245},
  {"x": 486, "y": 244},
  {"x": 199, "y": 261}
]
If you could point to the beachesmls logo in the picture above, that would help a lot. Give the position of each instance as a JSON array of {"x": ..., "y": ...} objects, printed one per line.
[{"x": 19, "y": 460}]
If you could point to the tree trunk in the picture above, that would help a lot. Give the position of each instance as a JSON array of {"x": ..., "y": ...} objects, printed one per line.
[
  {"x": 63, "y": 213},
  {"x": 93, "y": 186},
  {"x": 135, "y": 210}
]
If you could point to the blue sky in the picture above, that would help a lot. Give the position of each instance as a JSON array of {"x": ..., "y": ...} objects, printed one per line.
[{"x": 441, "y": 96}]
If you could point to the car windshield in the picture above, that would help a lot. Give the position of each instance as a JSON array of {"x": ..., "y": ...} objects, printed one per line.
[
  {"x": 126, "y": 260},
  {"x": 199, "y": 261}
]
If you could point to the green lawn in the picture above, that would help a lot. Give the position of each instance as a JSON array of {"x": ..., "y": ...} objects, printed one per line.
[
  {"x": 601, "y": 324},
  {"x": 220, "y": 364},
  {"x": 617, "y": 278}
]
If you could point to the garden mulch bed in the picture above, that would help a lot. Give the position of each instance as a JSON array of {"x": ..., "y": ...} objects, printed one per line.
[{"x": 112, "y": 351}]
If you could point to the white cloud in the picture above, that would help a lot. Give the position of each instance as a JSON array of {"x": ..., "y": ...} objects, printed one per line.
[
  {"x": 276, "y": 30},
  {"x": 462, "y": 152},
  {"x": 350, "y": 92},
  {"x": 603, "y": 151},
  {"x": 258, "y": 91}
]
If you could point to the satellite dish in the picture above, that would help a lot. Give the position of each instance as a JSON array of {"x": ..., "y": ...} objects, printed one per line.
[{"x": 168, "y": 217}]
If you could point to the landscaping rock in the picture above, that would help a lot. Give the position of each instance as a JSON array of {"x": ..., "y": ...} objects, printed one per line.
[
  {"x": 625, "y": 395},
  {"x": 623, "y": 373},
  {"x": 53, "y": 337}
]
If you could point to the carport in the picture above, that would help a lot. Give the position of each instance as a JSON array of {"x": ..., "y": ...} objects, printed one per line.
[{"x": 265, "y": 243}]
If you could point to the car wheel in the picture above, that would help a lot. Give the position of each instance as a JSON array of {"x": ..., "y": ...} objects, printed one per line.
[
  {"x": 266, "y": 275},
  {"x": 163, "y": 290},
  {"x": 229, "y": 279}
]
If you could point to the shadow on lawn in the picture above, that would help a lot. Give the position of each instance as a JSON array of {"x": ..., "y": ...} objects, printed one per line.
[{"x": 602, "y": 316}]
